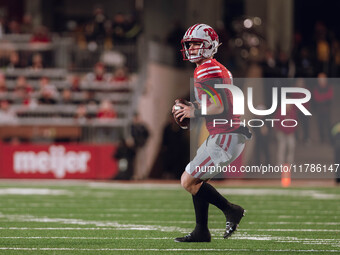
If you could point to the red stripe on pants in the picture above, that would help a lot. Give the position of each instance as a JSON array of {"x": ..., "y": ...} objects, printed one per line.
[
  {"x": 200, "y": 165},
  {"x": 222, "y": 141},
  {"x": 228, "y": 143},
  {"x": 201, "y": 174}
]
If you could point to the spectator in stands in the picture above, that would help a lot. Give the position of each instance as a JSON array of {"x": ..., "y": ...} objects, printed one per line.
[
  {"x": 87, "y": 36},
  {"x": 120, "y": 75},
  {"x": 125, "y": 155},
  {"x": 175, "y": 150},
  {"x": 133, "y": 28},
  {"x": 14, "y": 61},
  {"x": 3, "y": 27},
  {"x": 335, "y": 68},
  {"x": 75, "y": 83},
  {"x": 21, "y": 83},
  {"x": 22, "y": 91},
  {"x": 286, "y": 136},
  {"x": 303, "y": 119},
  {"x": 41, "y": 35},
  {"x": 323, "y": 95},
  {"x": 81, "y": 114},
  {"x": 89, "y": 97},
  {"x": 269, "y": 69},
  {"x": 7, "y": 116},
  {"x": 66, "y": 97},
  {"x": 106, "y": 114},
  {"x": 323, "y": 55},
  {"x": 139, "y": 131},
  {"x": 14, "y": 27},
  {"x": 284, "y": 66},
  {"x": 304, "y": 64},
  {"x": 269, "y": 64},
  {"x": 20, "y": 97},
  {"x": 262, "y": 141},
  {"x": 27, "y": 25},
  {"x": 47, "y": 93},
  {"x": 37, "y": 62},
  {"x": 106, "y": 110},
  {"x": 14, "y": 140},
  {"x": 46, "y": 97},
  {"x": 322, "y": 47},
  {"x": 119, "y": 28},
  {"x": 99, "y": 74},
  {"x": 3, "y": 86},
  {"x": 98, "y": 22},
  {"x": 140, "y": 135}
]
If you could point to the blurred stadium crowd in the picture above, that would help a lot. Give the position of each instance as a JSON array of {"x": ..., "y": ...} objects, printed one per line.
[{"x": 90, "y": 88}]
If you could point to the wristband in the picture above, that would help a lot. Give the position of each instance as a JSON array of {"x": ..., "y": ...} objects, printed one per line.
[
  {"x": 196, "y": 105},
  {"x": 197, "y": 113}
]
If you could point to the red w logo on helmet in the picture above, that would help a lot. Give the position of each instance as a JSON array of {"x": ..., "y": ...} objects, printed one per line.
[{"x": 211, "y": 32}]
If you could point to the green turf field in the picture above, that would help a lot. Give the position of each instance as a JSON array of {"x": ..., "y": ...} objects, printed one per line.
[{"x": 107, "y": 218}]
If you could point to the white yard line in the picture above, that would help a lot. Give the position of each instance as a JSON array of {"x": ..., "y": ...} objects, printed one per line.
[
  {"x": 279, "y": 192},
  {"x": 57, "y": 228},
  {"x": 162, "y": 250},
  {"x": 238, "y": 236},
  {"x": 33, "y": 191},
  {"x": 315, "y": 194},
  {"x": 307, "y": 216},
  {"x": 291, "y": 230},
  {"x": 166, "y": 228},
  {"x": 114, "y": 224},
  {"x": 85, "y": 238},
  {"x": 248, "y": 222},
  {"x": 292, "y": 222},
  {"x": 301, "y": 212}
]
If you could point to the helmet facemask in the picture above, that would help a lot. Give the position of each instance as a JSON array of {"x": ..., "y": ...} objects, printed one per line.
[{"x": 202, "y": 51}]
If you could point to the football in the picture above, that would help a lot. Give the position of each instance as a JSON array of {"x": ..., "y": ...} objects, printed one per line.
[{"x": 185, "y": 124}]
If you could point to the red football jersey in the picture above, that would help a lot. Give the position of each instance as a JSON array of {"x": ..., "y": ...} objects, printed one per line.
[{"x": 210, "y": 70}]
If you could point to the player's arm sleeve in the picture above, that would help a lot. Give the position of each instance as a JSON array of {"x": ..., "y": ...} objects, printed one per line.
[{"x": 209, "y": 85}]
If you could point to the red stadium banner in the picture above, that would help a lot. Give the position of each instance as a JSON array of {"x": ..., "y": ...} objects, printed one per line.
[{"x": 58, "y": 161}]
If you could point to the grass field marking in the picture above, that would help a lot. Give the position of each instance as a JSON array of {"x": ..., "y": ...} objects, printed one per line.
[
  {"x": 309, "y": 216},
  {"x": 85, "y": 238},
  {"x": 315, "y": 194},
  {"x": 292, "y": 230},
  {"x": 292, "y": 222},
  {"x": 147, "y": 186},
  {"x": 136, "y": 186},
  {"x": 33, "y": 191},
  {"x": 239, "y": 237},
  {"x": 118, "y": 209},
  {"x": 212, "y": 229},
  {"x": 244, "y": 236},
  {"x": 162, "y": 250},
  {"x": 174, "y": 210},
  {"x": 287, "y": 239},
  {"x": 248, "y": 222},
  {"x": 114, "y": 224},
  {"x": 56, "y": 228}
]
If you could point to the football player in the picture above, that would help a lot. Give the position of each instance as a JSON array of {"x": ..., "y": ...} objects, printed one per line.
[{"x": 224, "y": 143}]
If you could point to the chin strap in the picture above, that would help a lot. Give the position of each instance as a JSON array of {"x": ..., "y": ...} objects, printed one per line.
[{"x": 195, "y": 58}]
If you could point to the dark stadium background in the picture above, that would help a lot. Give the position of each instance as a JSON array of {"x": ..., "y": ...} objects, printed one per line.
[{"x": 127, "y": 117}]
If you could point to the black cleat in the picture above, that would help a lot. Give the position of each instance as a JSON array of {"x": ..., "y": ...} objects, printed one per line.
[
  {"x": 193, "y": 237},
  {"x": 233, "y": 219}
]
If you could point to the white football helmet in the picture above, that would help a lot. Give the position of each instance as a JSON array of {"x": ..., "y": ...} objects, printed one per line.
[{"x": 200, "y": 33}]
